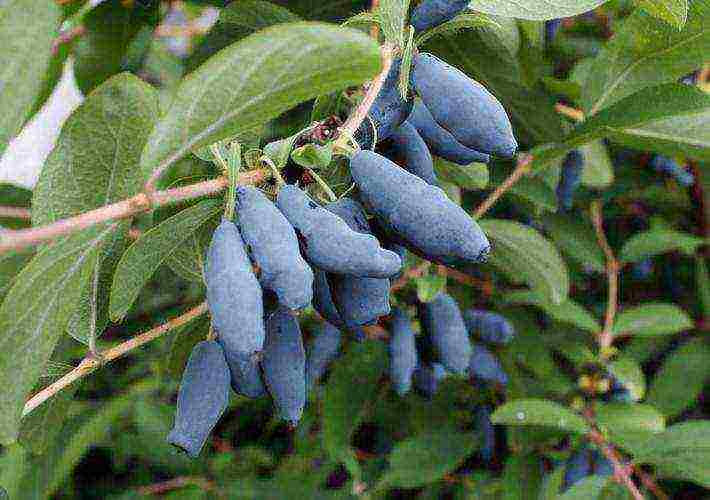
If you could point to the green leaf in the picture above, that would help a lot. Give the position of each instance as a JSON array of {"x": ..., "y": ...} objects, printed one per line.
[
  {"x": 647, "y": 52},
  {"x": 552, "y": 484},
  {"x": 682, "y": 451},
  {"x": 352, "y": 385},
  {"x": 652, "y": 319},
  {"x": 464, "y": 21},
  {"x": 588, "y": 488},
  {"x": 677, "y": 111},
  {"x": 427, "y": 458},
  {"x": 681, "y": 379},
  {"x": 522, "y": 477},
  {"x": 14, "y": 196},
  {"x": 36, "y": 312},
  {"x": 658, "y": 241},
  {"x": 539, "y": 412},
  {"x": 674, "y": 12},
  {"x": 568, "y": 311},
  {"x": 629, "y": 418},
  {"x": 628, "y": 372},
  {"x": 313, "y": 156},
  {"x": 253, "y": 81},
  {"x": 99, "y": 53},
  {"x": 598, "y": 170},
  {"x": 529, "y": 188},
  {"x": 472, "y": 177},
  {"x": 95, "y": 163},
  {"x": 702, "y": 278},
  {"x": 181, "y": 343},
  {"x": 325, "y": 10},
  {"x": 575, "y": 237},
  {"x": 151, "y": 250},
  {"x": 11, "y": 264},
  {"x": 430, "y": 286},
  {"x": 536, "y": 10},
  {"x": 27, "y": 31},
  {"x": 236, "y": 21},
  {"x": 534, "y": 257}
]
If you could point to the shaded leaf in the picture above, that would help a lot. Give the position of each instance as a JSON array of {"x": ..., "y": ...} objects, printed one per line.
[
  {"x": 629, "y": 374},
  {"x": 471, "y": 177},
  {"x": 36, "y": 312},
  {"x": 652, "y": 319},
  {"x": 536, "y": 10},
  {"x": 681, "y": 379},
  {"x": 534, "y": 257},
  {"x": 658, "y": 241},
  {"x": 426, "y": 458},
  {"x": 576, "y": 239},
  {"x": 152, "y": 249},
  {"x": 674, "y": 12},
  {"x": 588, "y": 488},
  {"x": 568, "y": 311}
]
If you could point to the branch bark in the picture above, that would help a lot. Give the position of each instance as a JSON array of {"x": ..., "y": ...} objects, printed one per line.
[
  {"x": 16, "y": 213},
  {"x": 90, "y": 364},
  {"x": 606, "y": 338},
  {"x": 522, "y": 168},
  {"x": 142, "y": 202}
]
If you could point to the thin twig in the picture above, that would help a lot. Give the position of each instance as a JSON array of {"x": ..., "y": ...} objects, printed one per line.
[
  {"x": 606, "y": 338},
  {"x": 90, "y": 364},
  {"x": 22, "y": 238},
  {"x": 621, "y": 472},
  {"x": 16, "y": 213},
  {"x": 175, "y": 484},
  {"x": 573, "y": 113},
  {"x": 415, "y": 272},
  {"x": 360, "y": 114},
  {"x": 522, "y": 168}
]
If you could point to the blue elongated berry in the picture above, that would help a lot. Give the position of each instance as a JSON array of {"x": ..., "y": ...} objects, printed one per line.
[
  {"x": 245, "y": 374},
  {"x": 570, "y": 178},
  {"x": 402, "y": 352},
  {"x": 419, "y": 215},
  {"x": 431, "y": 13},
  {"x": 274, "y": 248},
  {"x": 642, "y": 270},
  {"x": 408, "y": 150},
  {"x": 485, "y": 365},
  {"x": 552, "y": 27},
  {"x": 440, "y": 141},
  {"x": 442, "y": 321},
  {"x": 426, "y": 378},
  {"x": 387, "y": 112},
  {"x": 330, "y": 244},
  {"x": 359, "y": 301},
  {"x": 323, "y": 299},
  {"x": 489, "y": 326},
  {"x": 322, "y": 350},
  {"x": 203, "y": 397},
  {"x": 673, "y": 169},
  {"x": 488, "y": 433},
  {"x": 233, "y": 292},
  {"x": 601, "y": 465},
  {"x": 579, "y": 466},
  {"x": 284, "y": 364},
  {"x": 463, "y": 106}
]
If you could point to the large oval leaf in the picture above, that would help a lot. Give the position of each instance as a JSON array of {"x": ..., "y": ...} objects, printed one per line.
[
  {"x": 539, "y": 412},
  {"x": 652, "y": 319},
  {"x": 257, "y": 79},
  {"x": 27, "y": 30},
  {"x": 534, "y": 258},
  {"x": 535, "y": 9}
]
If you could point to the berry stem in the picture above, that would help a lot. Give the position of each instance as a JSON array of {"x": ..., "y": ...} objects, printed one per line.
[
  {"x": 606, "y": 337},
  {"x": 91, "y": 363}
]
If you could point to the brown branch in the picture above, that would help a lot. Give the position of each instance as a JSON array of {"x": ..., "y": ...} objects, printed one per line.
[
  {"x": 16, "y": 213},
  {"x": 90, "y": 364},
  {"x": 522, "y": 168},
  {"x": 360, "y": 114},
  {"x": 606, "y": 338},
  {"x": 621, "y": 472},
  {"x": 22, "y": 238},
  {"x": 375, "y": 29},
  {"x": 175, "y": 484},
  {"x": 573, "y": 113},
  {"x": 415, "y": 272}
]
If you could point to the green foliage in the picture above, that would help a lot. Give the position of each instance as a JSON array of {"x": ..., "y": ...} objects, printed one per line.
[{"x": 608, "y": 347}]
